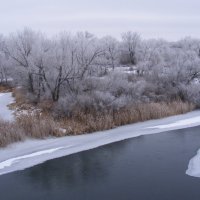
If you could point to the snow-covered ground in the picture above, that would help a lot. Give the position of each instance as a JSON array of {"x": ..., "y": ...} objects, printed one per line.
[
  {"x": 22, "y": 155},
  {"x": 126, "y": 69},
  {"x": 5, "y": 99}
]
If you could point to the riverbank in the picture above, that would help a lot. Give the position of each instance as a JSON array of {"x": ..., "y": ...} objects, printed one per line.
[
  {"x": 39, "y": 122},
  {"x": 22, "y": 155}
]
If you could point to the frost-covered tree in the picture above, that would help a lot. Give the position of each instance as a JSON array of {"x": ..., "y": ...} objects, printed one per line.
[
  {"x": 19, "y": 48},
  {"x": 130, "y": 46},
  {"x": 111, "y": 51},
  {"x": 74, "y": 69}
]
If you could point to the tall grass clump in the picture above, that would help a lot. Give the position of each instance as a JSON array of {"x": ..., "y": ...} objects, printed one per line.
[
  {"x": 10, "y": 133},
  {"x": 89, "y": 121}
]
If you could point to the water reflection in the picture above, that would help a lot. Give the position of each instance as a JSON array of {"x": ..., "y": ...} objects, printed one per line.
[{"x": 76, "y": 169}]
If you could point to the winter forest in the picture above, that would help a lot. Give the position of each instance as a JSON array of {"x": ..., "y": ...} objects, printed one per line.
[{"x": 92, "y": 83}]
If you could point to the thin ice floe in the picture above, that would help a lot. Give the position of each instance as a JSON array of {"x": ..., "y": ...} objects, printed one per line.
[
  {"x": 179, "y": 123},
  {"x": 194, "y": 166}
]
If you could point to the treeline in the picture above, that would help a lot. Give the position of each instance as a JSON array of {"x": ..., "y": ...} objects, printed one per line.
[{"x": 100, "y": 75}]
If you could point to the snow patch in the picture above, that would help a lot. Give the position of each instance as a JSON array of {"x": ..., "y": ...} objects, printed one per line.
[
  {"x": 5, "y": 112},
  {"x": 194, "y": 166}
]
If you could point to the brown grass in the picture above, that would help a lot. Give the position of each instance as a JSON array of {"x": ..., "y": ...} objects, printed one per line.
[
  {"x": 5, "y": 88},
  {"x": 90, "y": 122},
  {"x": 9, "y": 133},
  {"x": 38, "y": 126},
  {"x": 19, "y": 96},
  {"x": 31, "y": 126},
  {"x": 43, "y": 125}
]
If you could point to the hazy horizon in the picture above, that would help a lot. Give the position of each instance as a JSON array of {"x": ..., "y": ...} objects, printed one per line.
[{"x": 170, "y": 20}]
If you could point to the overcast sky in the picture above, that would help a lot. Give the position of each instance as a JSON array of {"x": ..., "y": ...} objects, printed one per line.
[{"x": 169, "y": 19}]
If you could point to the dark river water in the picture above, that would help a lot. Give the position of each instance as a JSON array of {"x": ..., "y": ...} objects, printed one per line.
[{"x": 145, "y": 168}]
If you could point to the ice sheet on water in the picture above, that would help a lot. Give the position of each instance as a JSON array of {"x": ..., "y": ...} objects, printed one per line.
[
  {"x": 9, "y": 162},
  {"x": 184, "y": 122},
  {"x": 194, "y": 166}
]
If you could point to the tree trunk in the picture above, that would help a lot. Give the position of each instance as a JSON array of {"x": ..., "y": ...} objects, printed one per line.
[{"x": 30, "y": 83}]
